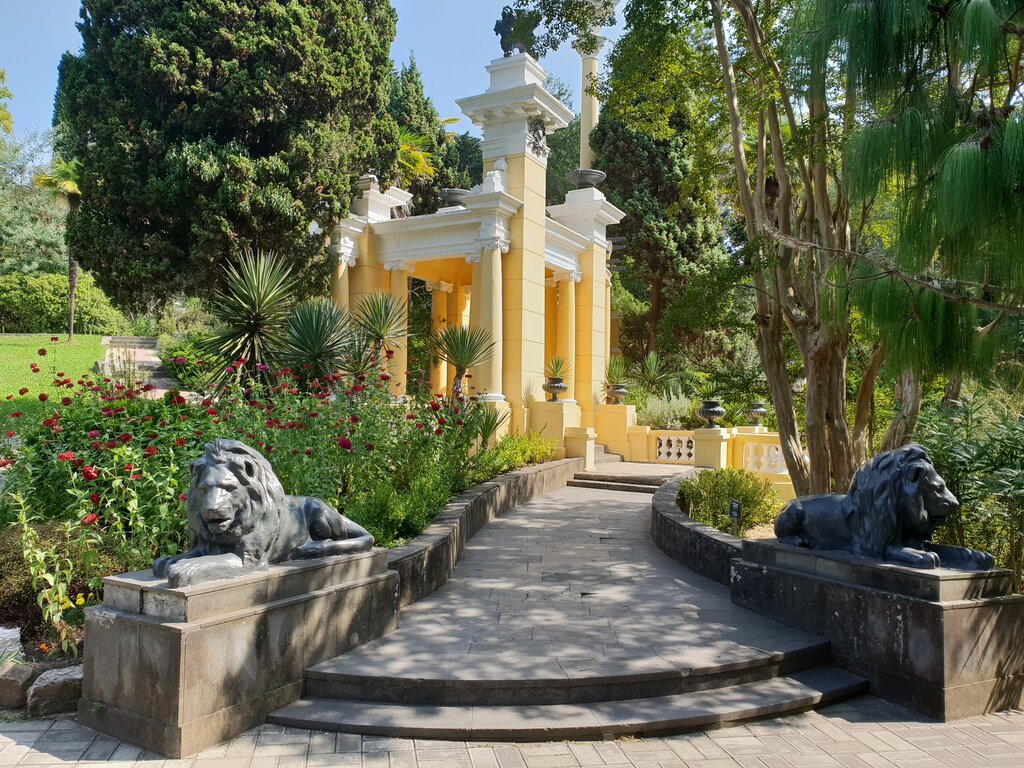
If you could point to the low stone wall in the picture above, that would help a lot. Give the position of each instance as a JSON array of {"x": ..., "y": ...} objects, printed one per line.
[
  {"x": 699, "y": 547},
  {"x": 426, "y": 562}
]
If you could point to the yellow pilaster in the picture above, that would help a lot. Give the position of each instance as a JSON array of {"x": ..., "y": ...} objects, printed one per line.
[
  {"x": 339, "y": 284},
  {"x": 400, "y": 361},
  {"x": 439, "y": 298},
  {"x": 608, "y": 315},
  {"x": 488, "y": 300},
  {"x": 591, "y": 343},
  {"x": 566, "y": 346},
  {"x": 550, "y": 320}
]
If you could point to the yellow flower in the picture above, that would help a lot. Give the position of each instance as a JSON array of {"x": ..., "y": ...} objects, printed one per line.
[
  {"x": 65, "y": 604},
  {"x": 79, "y": 600}
]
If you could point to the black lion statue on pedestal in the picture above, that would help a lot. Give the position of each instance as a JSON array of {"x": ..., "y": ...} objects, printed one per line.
[
  {"x": 894, "y": 504},
  {"x": 518, "y": 31},
  {"x": 240, "y": 519}
]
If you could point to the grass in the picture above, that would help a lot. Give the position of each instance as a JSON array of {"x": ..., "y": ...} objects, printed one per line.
[{"x": 17, "y": 353}]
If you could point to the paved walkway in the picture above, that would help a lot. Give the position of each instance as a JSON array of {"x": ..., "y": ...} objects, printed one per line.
[{"x": 567, "y": 580}]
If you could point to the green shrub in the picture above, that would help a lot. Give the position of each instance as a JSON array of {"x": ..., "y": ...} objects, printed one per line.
[
  {"x": 39, "y": 304},
  {"x": 706, "y": 499},
  {"x": 511, "y": 452},
  {"x": 188, "y": 361},
  {"x": 671, "y": 412}
]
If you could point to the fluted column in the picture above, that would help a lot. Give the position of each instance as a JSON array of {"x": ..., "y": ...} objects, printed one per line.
[
  {"x": 400, "y": 361},
  {"x": 590, "y": 111},
  {"x": 566, "y": 338},
  {"x": 608, "y": 316},
  {"x": 487, "y": 307},
  {"x": 344, "y": 248},
  {"x": 439, "y": 293}
]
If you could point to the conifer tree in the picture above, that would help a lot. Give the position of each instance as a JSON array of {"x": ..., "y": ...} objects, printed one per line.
[{"x": 202, "y": 127}]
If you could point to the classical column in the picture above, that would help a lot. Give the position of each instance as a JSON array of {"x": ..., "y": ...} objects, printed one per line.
[
  {"x": 439, "y": 293},
  {"x": 399, "y": 272},
  {"x": 590, "y": 107},
  {"x": 608, "y": 315},
  {"x": 566, "y": 344},
  {"x": 487, "y": 304},
  {"x": 343, "y": 249}
]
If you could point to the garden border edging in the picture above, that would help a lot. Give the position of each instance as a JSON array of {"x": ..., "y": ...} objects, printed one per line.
[
  {"x": 699, "y": 547},
  {"x": 426, "y": 562}
]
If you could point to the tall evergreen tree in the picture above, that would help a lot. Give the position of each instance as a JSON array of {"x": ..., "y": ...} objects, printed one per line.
[{"x": 203, "y": 126}]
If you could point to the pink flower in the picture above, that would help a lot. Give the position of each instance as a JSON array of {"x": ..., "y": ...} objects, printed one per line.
[{"x": 180, "y": 361}]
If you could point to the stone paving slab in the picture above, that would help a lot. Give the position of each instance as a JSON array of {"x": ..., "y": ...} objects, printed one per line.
[{"x": 861, "y": 733}]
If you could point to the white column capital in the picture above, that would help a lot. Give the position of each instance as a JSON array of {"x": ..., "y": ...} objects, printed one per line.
[
  {"x": 345, "y": 249},
  {"x": 400, "y": 266},
  {"x": 496, "y": 243},
  {"x": 562, "y": 276},
  {"x": 439, "y": 286}
]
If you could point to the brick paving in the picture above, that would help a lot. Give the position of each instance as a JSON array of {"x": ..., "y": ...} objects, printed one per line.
[{"x": 861, "y": 733}]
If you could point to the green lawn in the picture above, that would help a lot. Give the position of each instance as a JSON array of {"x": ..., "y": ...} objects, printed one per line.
[{"x": 17, "y": 353}]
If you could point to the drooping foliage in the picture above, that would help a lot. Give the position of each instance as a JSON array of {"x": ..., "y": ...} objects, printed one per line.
[
  {"x": 203, "y": 126},
  {"x": 6, "y": 118}
]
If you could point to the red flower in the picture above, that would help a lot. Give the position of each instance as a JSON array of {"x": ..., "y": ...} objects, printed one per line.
[
  {"x": 435, "y": 406},
  {"x": 95, "y": 499},
  {"x": 125, "y": 438},
  {"x": 60, "y": 375},
  {"x": 66, "y": 456},
  {"x": 419, "y": 425},
  {"x": 11, "y": 433},
  {"x": 308, "y": 452},
  {"x": 42, "y": 352},
  {"x": 53, "y": 338},
  {"x": 129, "y": 467},
  {"x": 17, "y": 415},
  {"x": 90, "y": 519},
  {"x": 90, "y": 473},
  {"x": 438, "y": 431},
  {"x": 135, "y": 477},
  {"x": 150, "y": 450},
  {"x": 96, "y": 445},
  {"x": 178, "y": 400},
  {"x": 23, "y": 391},
  {"x": 93, "y": 434},
  {"x": 345, "y": 444},
  {"x": 179, "y": 442},
  {"x": 441, "y": 421},
  {"x": 65, "y": 401},
  {"x": 6, "y": 463},
  {"x": 389, "y": 354},
  {"x": 182, "y": 496},
  {"x": 212, "y": 411},
  {"x": 111, "y": 444},
  {"x": 370, "y": 446},
  {"x": 180, "y": 361},
  {"x": 385, "y": 377},
  {"x": 410, "y": 416},
  {"x": 43, "y": 397},
  {"x": 354, "y": 419}
]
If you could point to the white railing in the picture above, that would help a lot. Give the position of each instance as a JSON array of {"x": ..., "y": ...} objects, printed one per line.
[
  {"x": 764, "y": 457},
  {"x": 673, "y": 446}
]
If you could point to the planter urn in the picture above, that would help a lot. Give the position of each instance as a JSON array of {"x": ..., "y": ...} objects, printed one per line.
[{"x": 711, "y": 411}]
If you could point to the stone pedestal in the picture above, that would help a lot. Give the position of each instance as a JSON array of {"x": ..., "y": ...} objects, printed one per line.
[
  {"x": 579, "y": 443},
  {"x": 711, "y": 448},
  {"x": 944, "y": 642},
  {"x": 178, "y": 670},
  {"x": 613, "y": 423},
  {"x": 553, "y": 419}
]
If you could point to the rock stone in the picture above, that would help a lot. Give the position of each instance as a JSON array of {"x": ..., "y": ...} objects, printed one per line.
[
  {"x": 14, "y": 682},
  {"x": 56, "y": 690},
  {"x": 10, "y": 643}
]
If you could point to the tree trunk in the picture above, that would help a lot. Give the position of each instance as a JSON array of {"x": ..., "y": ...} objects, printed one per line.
[
  {"x": 902, "y": 426},
  {"x": 951, "y": 397},
  {"x": 865, "y": 411},
  {"x": 654, "y": 316},
  {"x": 73, "y": 204}
]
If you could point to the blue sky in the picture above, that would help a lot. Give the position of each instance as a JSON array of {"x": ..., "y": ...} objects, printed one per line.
[{"x": 453, "y": 40}]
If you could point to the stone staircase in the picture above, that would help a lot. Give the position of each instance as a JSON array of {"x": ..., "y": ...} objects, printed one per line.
[
  {"x": 609, "y": 476},
  {"x": 147, "y": 360},
  {"x": 430, "y": 699}
]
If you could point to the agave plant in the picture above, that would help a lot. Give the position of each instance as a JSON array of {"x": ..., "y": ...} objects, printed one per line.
[
  {"x": 382, "y": 319},
  {"x": 463, "y": 348},
  {"x": 359, "y": 358},
  {"x": 490, "y": 421},
  {"x": 652, "y": 374},
  {"x": 317, "y": 339},
  {"x": 616, "y": 371},
  {"x": 557, "y": 367},
  {"x": 252, "y": 309}
]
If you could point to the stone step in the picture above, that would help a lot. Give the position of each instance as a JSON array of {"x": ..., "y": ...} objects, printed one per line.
[
  {"x": 610, "y": 476},
  {"x": 611, "y": 486},
  {"x": 608, "y": 458},
  {"x": 130, "y": 342},
  {"x": 408, "y": 672},
  {"x": 660, "y": 715}
]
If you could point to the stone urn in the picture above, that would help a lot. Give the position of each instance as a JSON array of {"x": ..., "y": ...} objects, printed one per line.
[
  {"x": 555, "y": 386},
  {"x": 454, "y": 196},
  {"x": 711, "y": 411},
  {"x": 586, "y": 178},
  {"x": 756, "y": 412},
  {"x": 616, "y": 393}
]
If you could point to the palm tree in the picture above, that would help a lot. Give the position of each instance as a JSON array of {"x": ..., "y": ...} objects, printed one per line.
[
  {"x": 62, "y": 183},
  {"x": 415, "y": 161},
  {"x": 6, "y": 118},
  {"x": 463, "y": 348}
]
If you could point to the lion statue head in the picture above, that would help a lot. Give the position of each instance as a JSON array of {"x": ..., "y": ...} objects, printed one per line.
[
  {"x": 906, "y": 482},
  {"x": 234, "y": 496}
]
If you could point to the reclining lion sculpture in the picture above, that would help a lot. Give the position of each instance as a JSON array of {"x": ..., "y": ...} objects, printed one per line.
[
  {"x": 894, "y": 504},
  {"x": 240, "y": 519}
]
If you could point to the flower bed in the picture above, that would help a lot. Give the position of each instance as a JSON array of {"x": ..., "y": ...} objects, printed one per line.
[{"x": 110, "y": 468}]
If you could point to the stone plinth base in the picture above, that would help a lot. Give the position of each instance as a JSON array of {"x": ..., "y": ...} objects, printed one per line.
[
  {"x": 178, "y": 670},
  {"x": 613, "y": 423},
  {"x": 944, "y": 642},
  {"x": 553, "y": 419}
]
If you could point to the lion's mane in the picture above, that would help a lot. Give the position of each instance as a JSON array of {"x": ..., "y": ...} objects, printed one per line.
[{"x": 264, "y": 499}]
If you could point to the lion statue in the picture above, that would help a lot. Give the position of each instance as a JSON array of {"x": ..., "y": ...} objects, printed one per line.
[
  {"x": 240, "y": 519},
  {"x": 894, "y": 504}
]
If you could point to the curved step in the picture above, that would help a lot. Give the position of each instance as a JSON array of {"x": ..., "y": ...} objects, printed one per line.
[
  {"x": 619, "y": 477},
  {"x": 637, "y": 717},
  {"x": 613, "y": 486},
  {"x": 515, "y": 678}
]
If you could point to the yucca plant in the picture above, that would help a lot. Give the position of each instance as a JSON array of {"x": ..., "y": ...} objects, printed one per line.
[
  {"x": 359, "y": 358},
  {"x": 490, "y": 421},
  {"x": 652, "y": 374},
  {"x": 557, "y": 367},
  {"x": 616, "y": 371},
  {"x": 317, "y": 339},
  {"x": 463, "y": 348},
  {"x": 252, "y": 310},
  {"x": 382, "y": 319}
]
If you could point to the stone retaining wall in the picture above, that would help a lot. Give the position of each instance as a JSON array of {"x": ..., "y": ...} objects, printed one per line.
[
  {"x": 426, "y": 562},
  {"x": 699, "y": 547}
]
